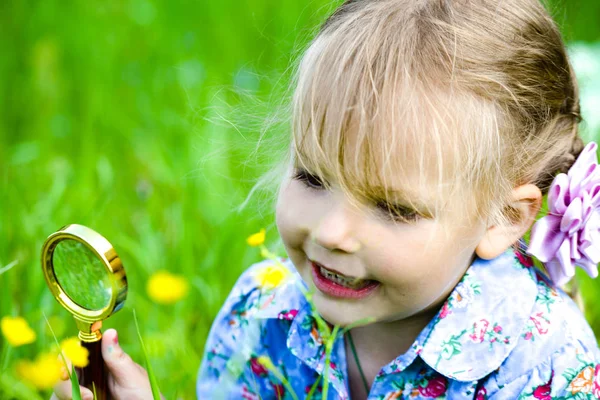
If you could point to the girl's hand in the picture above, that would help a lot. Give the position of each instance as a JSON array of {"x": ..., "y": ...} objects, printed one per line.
[{"x": 126, "y": 379}]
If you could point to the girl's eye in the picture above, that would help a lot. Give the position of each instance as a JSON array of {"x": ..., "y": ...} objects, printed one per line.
[
  {"x": 309, "y": 180},
  {"x": 397, "y": 212}
]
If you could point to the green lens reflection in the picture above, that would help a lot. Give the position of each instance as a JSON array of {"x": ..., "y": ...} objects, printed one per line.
[{"x": 81, "y": 274}]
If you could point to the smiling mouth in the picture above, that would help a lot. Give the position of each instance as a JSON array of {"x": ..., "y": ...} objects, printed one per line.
[
  {"x": 348, "y": 281},
  {"x": 339, "y": 285}
]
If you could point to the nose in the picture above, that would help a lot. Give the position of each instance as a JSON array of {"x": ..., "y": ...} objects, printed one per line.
[{"x": 337, "y": 228}]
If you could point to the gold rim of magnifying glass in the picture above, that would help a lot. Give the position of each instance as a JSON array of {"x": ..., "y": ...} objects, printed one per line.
[{"x": 111, "y": 261}]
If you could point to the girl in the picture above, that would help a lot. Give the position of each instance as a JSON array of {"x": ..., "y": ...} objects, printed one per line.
[{"x": 425, "y": 133}]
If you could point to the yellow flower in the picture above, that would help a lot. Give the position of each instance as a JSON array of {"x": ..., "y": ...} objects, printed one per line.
[
  {"x": 271, "y": 276},
  {"x": 166, "y": 288},
  {"x": 16, "y": 331},
  {"x": 43, "y": 373},
  {"x": 257, "y": 239},
  {"x": 266, "y": 362},
  {"x": 75, "y": 352}
]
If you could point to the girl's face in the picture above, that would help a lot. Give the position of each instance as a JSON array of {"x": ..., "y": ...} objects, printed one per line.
[{"x": 361, "y": 262}]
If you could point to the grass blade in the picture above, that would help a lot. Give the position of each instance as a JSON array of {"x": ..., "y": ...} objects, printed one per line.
[
  {"x": 76, "y": 392},
  {"x": 151, "y": 376},
  {"x": 328, "y": 350},
  {"x": 5, "y": 356},
  {"x": 314, "y": 388},
  {"x": 8, "y": 267}
]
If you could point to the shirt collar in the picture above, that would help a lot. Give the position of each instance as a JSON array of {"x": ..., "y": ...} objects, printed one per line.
[
  {"x": 470, "y": 337},
  {"x": 481, "y": 321}
]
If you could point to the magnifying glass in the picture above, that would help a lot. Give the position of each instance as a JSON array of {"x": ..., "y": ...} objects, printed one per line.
[{"x": 86, "y": 276}]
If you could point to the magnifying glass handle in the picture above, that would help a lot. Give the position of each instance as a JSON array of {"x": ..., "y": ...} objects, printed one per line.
[{"x": 95, "y": 376}]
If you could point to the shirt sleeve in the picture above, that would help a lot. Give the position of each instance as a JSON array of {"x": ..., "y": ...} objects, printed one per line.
[
  {"x": 230, "y": 343},
  {"x": 571, "y": 373}
]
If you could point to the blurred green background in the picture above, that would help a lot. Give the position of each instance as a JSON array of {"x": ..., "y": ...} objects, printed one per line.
[{"x": 141, "y": 119}]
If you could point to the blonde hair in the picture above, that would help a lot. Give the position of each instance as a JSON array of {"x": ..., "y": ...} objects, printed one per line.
[{"x": 471, "y": 96}]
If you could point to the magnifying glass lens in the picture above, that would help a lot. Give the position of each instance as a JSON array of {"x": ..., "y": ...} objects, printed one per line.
[{"x": 82, "y": 275}]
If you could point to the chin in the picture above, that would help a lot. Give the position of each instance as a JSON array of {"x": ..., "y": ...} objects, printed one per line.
[
  {"x": 338, "y": 314},
  {"x": 337, "y": 319}
]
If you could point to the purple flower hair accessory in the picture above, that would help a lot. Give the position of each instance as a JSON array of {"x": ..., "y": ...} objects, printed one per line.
[{"x": 569, "y": 235}]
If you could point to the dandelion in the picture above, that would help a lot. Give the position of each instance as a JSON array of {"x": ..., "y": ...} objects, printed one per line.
[
  {"x": 16, "y": 331},
  {"x": 75, "y": 352},
  {"x": 166, "y": 288},
  {"x": 272, "y": 276},
  {"x": 43, "y": 373},
  {"x": 257, "y": 239}
]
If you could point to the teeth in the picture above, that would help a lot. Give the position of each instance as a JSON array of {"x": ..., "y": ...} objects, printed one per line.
[{"x": 340, "y": 280}]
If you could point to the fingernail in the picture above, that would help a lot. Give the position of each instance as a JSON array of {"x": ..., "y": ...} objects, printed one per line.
[
  {"x": 64, "y": 375},
  {"x": 113, "y": 344}
]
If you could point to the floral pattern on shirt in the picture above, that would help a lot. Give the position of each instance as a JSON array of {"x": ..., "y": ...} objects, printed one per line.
[
  {"x": 583, "y": 381},
  {"x": 463, "y": 295},
  {"x": 428, "y": 385},
  {"x": 503, "y": 333}
]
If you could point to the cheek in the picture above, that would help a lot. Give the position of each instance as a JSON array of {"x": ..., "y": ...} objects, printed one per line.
[
  {"x": 282, "y": 214},
  {"x": 419, "y": 258},
  {"x": 288, "y": 213}
]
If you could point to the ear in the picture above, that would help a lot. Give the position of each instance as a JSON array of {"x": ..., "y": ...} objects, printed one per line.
[{"x": 527, "y": 200}]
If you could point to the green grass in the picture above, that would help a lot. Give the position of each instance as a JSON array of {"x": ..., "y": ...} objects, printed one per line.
[
  {"x": 147, "y": 364},
  {"x": 140, "y": 119}
]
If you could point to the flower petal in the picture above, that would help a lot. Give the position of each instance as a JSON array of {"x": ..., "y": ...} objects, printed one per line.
[
  {"x": 563, "y": 256},
  {"x": 590, "y": 267},
  {"x": 546, "y": 238},
  {"x": 586, "y": 158},
  {"x": 572, "y": 219},
  {"x": 556, "y": 272},
  {"x": 257, "y": 239},
  {"x": 594, "y": 192},
  {"x": 17, "y": 331},
  {"x": 583, "y": 170},
  {"x": 557, "y": 194},
  {"x": 166, "y": 288},
  {"x": 586, "y": 207},
  {"x": 574, "y": 246},
  {"x": 590, "y": 240},
  {"x": 43, "y": 373},
  {"x": 589, "y": 177},
  {"x": 75, "y": 352},
  {"x": 592, "y": 225}
]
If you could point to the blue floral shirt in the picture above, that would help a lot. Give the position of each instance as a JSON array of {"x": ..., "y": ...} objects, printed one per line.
[{"x": 503, "y": 333}]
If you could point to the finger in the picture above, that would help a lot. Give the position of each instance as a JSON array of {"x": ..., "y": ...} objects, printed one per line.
[
  {"x": 63, "y": 389},
  {"x": 123, "y": 369},
  {"x": 66, "y": 366}
]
